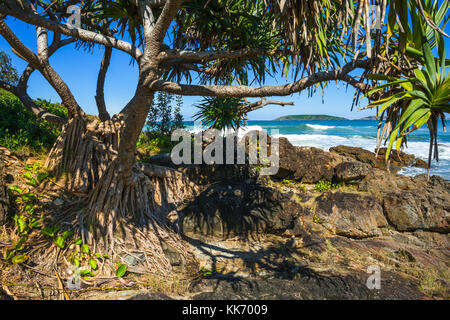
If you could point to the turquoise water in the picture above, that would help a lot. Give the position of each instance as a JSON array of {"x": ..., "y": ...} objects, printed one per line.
[{"x": 357, "y": 133}]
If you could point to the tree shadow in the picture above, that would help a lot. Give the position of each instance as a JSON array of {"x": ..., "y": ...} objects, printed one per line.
[
  {"x": 240, "y": 209},
  {"x": 274, "y": 261}
]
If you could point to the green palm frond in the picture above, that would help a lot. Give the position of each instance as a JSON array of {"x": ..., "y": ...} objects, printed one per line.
[
  {"x": 414, "y": 99},
  {"x": 221, "y": 113}
]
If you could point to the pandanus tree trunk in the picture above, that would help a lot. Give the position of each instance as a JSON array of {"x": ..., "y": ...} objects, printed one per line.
[
  {"x": 84, "y": 150},
  {"x": 136, "y": 199}
]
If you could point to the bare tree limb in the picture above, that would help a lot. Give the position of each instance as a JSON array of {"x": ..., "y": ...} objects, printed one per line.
[
  {"x": 81, "y": 34},
  {"x": 19, "y": 48},
  {"x": 20, "y": 91},
  {"x": 148, "y": 21},
  {"x": 23, "y": 81},
  {"x": 44, "y": 67},
  {"x": 363, "y": 87},
  {"x": 264, "y": 91},
  {"x": 100, "y": 95},
  {"x": 42, "y": 44},
  {"x": 205, "y": 56},
  {"x": 31, "y": 105},
  {"x": 262, "y": 103}
]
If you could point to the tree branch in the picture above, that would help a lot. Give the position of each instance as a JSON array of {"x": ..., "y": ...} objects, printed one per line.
[
  {"x": 262, "y": 103},
  {"x": 19, "y": 48},
  {"x": 81, "y": 34},
  {"x": 56, "y": 44},
  {"x": 264, "y": 91},
  {"x": 158, "y": 32},
  {"x": 363, "y": 87},
  {"x": 44, "y": 67},
  {"x": 20, "y": 91},
  {"x": 148, "y": 21},
  {"x": 205, "y": 56},
  {"x": 31, "y": 105},
  {"x": 100, "y": 96},
  {"x": 42, "y": 44}
]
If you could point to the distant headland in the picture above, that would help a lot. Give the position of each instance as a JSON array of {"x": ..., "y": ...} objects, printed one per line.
[
  {"x": 310, "y": 117},
  {"x": 369, "y": 118},
  {"x": 319, "y": 117}
]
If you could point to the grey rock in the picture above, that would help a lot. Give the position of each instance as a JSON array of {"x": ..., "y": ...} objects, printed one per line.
[
  {"x": 132, "y": 260},
  {"x": 350, "y": 214},
  {"x": 351, "y": 171},
  {"x": 411, "y": 210},
  {"x": 224, "y": 213}
]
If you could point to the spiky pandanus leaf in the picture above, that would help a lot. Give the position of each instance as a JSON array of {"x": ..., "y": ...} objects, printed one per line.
[
  {"x": 416, "y": 99},
  {"x": 221, "y": 113}
]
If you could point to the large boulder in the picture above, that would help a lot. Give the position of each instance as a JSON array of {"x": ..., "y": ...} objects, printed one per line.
[
  {"x": 225, "y": 211},
  {"x": 413, "y": 210},
  {"x": 397, "y": 159},
  {"x": 411, "y": 203},
  {"x": 309, "y": 165},
  {"x": 361, "y": 155},
  {"x": 350, "y": 214},
  {"x": 351, "y": 171}
]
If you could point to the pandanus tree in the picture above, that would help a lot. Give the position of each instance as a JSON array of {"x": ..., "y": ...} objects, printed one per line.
[
  {"x": 419, "y": 94},
  {"x": 229, "y": 113},
  {"x": 212, "y": 48}
]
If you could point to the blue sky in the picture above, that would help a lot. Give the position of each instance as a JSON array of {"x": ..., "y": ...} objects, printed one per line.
[{"x": 80, "y": 68}]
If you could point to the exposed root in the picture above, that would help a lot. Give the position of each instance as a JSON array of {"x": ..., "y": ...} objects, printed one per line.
[
  {"x": 137, "y": 217},
  {"x": 134, "y": 217},
  {"x": 84, "y": 150}
]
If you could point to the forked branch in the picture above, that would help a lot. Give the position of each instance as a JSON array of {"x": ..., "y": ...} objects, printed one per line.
[{"x": 264, "y": 102}]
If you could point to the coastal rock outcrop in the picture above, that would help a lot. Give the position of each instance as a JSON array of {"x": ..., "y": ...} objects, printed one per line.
[
  {"x": 400, "y": 158},
  {"x": 341, "y": 164},
  {"x": 427, "y": 210},
  {"x": 350, "y": 214},
  {"x": 241, "y": 205},
  {"x": 411, "y": 203},
  {"x": 397, "y": 159},
  {"x": 361, "y": 155},
  {"x": 225, "y": 211},
  {"x": 351, "y": 171},
  {"x": 308, "y": 165}
]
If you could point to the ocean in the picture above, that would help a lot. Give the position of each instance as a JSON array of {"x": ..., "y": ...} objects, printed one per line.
[{"x": 356, "y": 133}]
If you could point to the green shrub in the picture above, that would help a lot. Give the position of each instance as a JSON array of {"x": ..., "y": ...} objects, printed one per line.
[
  {"x": 20, "y": 128},
  {"x": 293, "y": 183},
  {"x": 323, "y": 186},
  {"x": 154, "y": 143}
]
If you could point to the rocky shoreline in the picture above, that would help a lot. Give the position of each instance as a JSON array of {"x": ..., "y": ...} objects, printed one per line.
[
  {"x": 374, "y": 217},
  {"x": 284, "y": 237}
]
